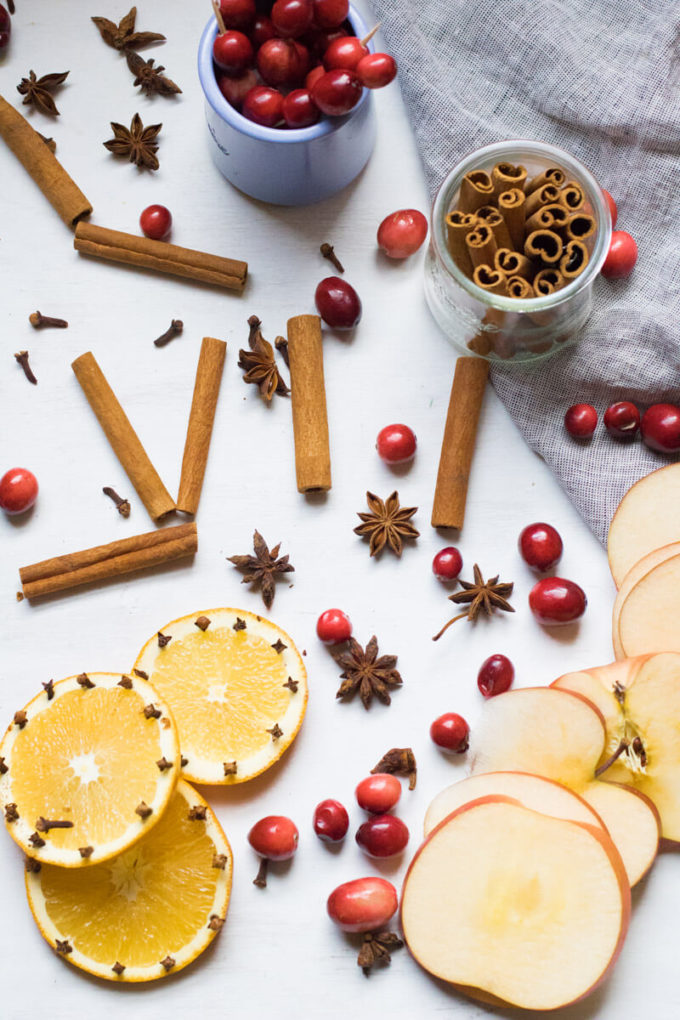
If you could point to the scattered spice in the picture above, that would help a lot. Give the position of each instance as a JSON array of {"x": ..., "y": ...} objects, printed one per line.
[
  {"x": 275, "y": 731},
  {"x": 40, "y": 321},
  {"x": 399, "y": 761},
  {"x": 33, "y": 865},
  {"x": 122, "y": 505},
  {"x": 64, "y": 947},
  {"x": 366, "y": 673},
  {"x": 11, "y": 812},
  {"x": 22, "y": 358},
  {"x": 184, "y": 762},
  {"x": 85, "y": 851},
  {"x": 279, "y": 646},
  {"x": 141, "y": 674},
  {"x": 202, "y": 622},
  {"x": 122, "y": 35},
  {"x": 49, "y": 689},
  {"x": 174, "y": 329},
  {"x": 328, "y": 252},
  {"x": 125, "y": 682},
  {"x": 168, "y": 963},
  {"x": 388, "y": 523},
  {"x": 262, "y": 568},
  {"x": 84, "y": 681},
  {"x": 151, "y": 79},
  {"x": 45, "y": 824},
  {"x": 164, "y": 639},
  {"x": 281, "y": 345},
  {"x": 151, "y": 712},
  {"x": 216, "y": 922},
  {"x": 3, "y": 767},
  {"x": 230, "y": 768},
  {"x": 484, "y": 597},
  {"x": 36, "y": 840},
  {"x": 36, "y": 91},
  {"x": 118, "y": 968},
  {"x": 143, "y": 810},
  {"x": 49, "y": 142},
  {"x": 137, "y": 143},
  {"x": 219, "y": 861},
  {"x": 164, "y": 764},
  {"x": 240, "y": 624},
  {"x": 291, "y": 684},
  {"x": 258, "y": 362},
  {"x": 377, "y": 947},
  {"x": 197, "y": 813},
  {"x": 10, "y": 7},
  {"x": 20, "y": 718}
]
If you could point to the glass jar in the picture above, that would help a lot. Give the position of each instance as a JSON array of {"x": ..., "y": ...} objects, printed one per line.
[{"x": 495, "y": 326}]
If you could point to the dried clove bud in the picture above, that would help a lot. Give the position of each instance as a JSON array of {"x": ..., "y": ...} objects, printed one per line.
[
  {"x": 85, "y": 682},
  {"x": 279, "y": 646},
  {"x": 151, "y": 712},
  {"x": 141, "y": 674},
  {"x": 125, "y": 682},
  {"x": 20, "y": 718},
  {"x": 3, "y": 768},
  {"x": 215, "y": 922},
  {"x": 164, "y": 764},
  {"x": 168, "y": 963},
  {"x": 174, "y": 329},
  {"x": 328, "y": 252},
  {"x": 203, "y": 622},
  {"x": 22, "y": 358},
  {"x": 184, "y": 762},
  {"x": 275, "y": 731},
  {"x": 36, "y": 840},
  {"x": 164, "y": 639},
  {"x": 122, "y": 505},
  {"x": 11, "y": 813},
  {"x": 198, "y": 813},
  {"x": 33, "y": 865},
  {"x": 240, "y": 624},
  {"x": 219, "y": 861},
  {"x": 63, "y": 947},
  {"x": 85, "y": 851},
  {"x": 118, "y": 968},
  {"x": 49, "y": 689},
  {"x": 291, "y": 684},
  {"x": 281, "y": 345},
  {"x": 143, "y": 810},
  {"x": 45, "y": 824},
  {"x": 40, "y": 321},
  {"x": 230, "y": 768},
  {"x": 399, "y": 761}
]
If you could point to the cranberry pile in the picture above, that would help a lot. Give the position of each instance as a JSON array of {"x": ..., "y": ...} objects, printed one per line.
[{"x": 284, "y": 64}]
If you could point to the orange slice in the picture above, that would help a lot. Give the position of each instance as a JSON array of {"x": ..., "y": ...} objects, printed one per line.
[
  {"x": 99, "y": 755},
  {"x": 237, "y": 687},
  {"x": 147, "y": 912}
]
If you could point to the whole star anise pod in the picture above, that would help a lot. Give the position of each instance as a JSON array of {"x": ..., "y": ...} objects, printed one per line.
[
  {"x": 151, "y": 79},
  {"x": 388, "y": 523},
  {"x": 483, "y": 598},
  {"x": 261, "y": 369},
  {"x": 263, "y": 567},
  {"x": 36, "y": 91},
  {"x": 366, "y": 673},
  {"x": 122, "y": 35},
  {"x": 136, "y": 142},
  {"x": 377, "y": 947}
]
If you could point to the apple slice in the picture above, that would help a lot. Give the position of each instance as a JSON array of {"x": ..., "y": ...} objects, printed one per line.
[
  {"x": 534, "y": 911},
  {"x": 535, "y": 792},
  {"x": 647, "y": 517},
  {"x": 646, "y": 607},
  {"x": 564, "y": 738}
]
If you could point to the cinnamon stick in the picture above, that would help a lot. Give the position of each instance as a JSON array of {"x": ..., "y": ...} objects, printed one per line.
[
  {"x": 490, "y": 280},
  {"x": 494, "y": 219},
  {"x": 553, "y": 175},
  {"x": 460, "y": 432},
  {"x": 481, "y": 245},
  {"x": 103, "y": 562},
  {"x": 506, "y": 175},
  {"x": 201, "y": 419},
  {"x": 308, "y": 400},
  {"x": 519, "y": 287},
  {"x": 547, "y": 281},
  {"x": 548, "y": 217},
  {"x": 513, "y": 263},
  {"x": 545, "y": 245},
  {"x": 579, "y": 227},
  {"x": 512, "y": 204},
  {"x": 545, "y": 195},
  {"x": 122, "y": 437},
  {"x": 43, "y": 166},
  {"x": 476, "y": 189},
  {"x": 458, "y": 226},
  {"x": 572, "y": 196},
  {"x": 160, "y": 256},
  {"x": 574, "y": 260}
]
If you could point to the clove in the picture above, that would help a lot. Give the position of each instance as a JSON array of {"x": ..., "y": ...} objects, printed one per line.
[
  {"x": 281, "y": 345},
  {"x": 22, "y": 358},
  {"x": 328, "y": 252},
  {"x": 173, "y": 330},
  {"x": 39, "y": 321},
  {"x": 45, "y": 824},
  {"x": 260, "y": 879},
  {"x": 122, "y": 505}
]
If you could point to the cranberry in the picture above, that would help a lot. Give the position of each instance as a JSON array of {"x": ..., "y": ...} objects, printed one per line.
[
  {"x": 320, "y": 40},
  {"x": 660, "y": 428},
  {"x": 274, "y": 838},
  {"x": 262, "y": 30},
  {"x": 5, "y": 27},
  {"x": 451, "y": 732},
  {"x": 237, "y": 13},
  {"x": 363, "y": 904},
  {"x": 382, "y": 836},
  {"x": 292, "y": 17},
  {"x": 540, "y": 546},
  {"x": 233, "y": 52},
  {"x": 314, "y": 75},
  {"x": 333, "y": 627},
  {"x": 282, "y": 61},
  {"x": 337, "y": 303},
  {"x": 18, "y": 490},
  {"x": 331, "y": 821},
  {"x": 580, "y": 421},
  {"x": 330, "y": 13},
  {"x": 401, "y": 233},
  {"x": 263, "y": 106},
  {"x": 337, "y": 92},
  {"x": 376, "y": 70},
  {"x": 622, "y": 420},
  {"x": 344, "y": 54},
  {"x": 555, "y": 600},
  {"x": 447, "y": 564},
  {"x": 396, "y": 444},
  {"x": 378, "y": 793},
  {"x": 621, "y": 257},
  {"x": 298, "y": 109},
  {"x": 156, "y": 222},
  {"x": 496, "y": 674},
  {"x": 235, "y": 90},
  {"x": 613, "y": 211}
]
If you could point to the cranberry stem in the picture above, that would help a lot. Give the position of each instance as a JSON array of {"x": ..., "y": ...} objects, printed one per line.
[
  {"x": 260, "y": 879},
  {"x": 218, "y": 14}
]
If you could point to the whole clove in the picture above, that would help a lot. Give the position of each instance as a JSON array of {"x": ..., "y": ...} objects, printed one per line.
[
  {"x": 174, "y": 329},
  {"x": 22, "y": 358},
  {"x": 281, "y": 345},
  {"x": 40, "y": 321},
  {"x": 328, "y": 252},
  {"x": 122, "y": 505}
]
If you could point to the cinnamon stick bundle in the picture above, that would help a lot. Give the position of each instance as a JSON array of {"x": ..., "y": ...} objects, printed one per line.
[
  {"x": 43, "y": 166},
  {"x": 122, "y": 437},
  {"x": 308, "y": 401},
  {"x": 201, "y": 419},
  {"x": 103, "y": 562},
  {"x": 160, "y": 256}
]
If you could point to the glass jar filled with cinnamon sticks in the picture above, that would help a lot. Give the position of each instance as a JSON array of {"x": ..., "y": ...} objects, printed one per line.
[{"x": 519, "y": 232}]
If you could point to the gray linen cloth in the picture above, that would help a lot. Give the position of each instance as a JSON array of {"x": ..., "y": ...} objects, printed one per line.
[{"x": 601, "y": 79}]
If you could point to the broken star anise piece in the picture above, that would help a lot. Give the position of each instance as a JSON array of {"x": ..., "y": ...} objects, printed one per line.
[
  {"x": 151, "y": 79},
  {"x": 263, "y": 567},
  {"x": 377, "y": 947},
  {"x": 259, "y": 363},
  {"x": 399, "y": 761},
  {"x": 483, "y": 598},
  {"x": 36, "y": 91},
  {"x": 122, "y": 35},
  {"x": 137, "y": 142},
  {"x": 388, "y": 523},
  {"x": 366, "y": 673}
]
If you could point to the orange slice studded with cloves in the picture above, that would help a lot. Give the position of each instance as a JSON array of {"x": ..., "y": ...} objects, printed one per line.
[
  {"x": 147, "y": 912},
  {"x": 87, "y": 768},
  {"x": 237, "y": 688}
]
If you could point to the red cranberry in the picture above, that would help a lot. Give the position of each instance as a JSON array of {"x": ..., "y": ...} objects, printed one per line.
[
  {"x": 382, "y": 836},
  {"x": 314, "y": 75},
  {"x": 233, "y": 89},
  {"x": 5, "y": 27},
  {"x": 580, "y": 421},
  {"x": 660, "y": 428},
  {"x": 274, "y": 838},
  {"x": 337, "y": 303},
  {"x": 330, "y": 13},
  {"x": 378, "y": 793},
  {"x": 331, "y": 821},
  {"x": 298, "y": 109},
  {"x": 555, "y": 600},
  {"x": 320, "y": 40},
  {"x": 333, "y": 627},
  {"x": 262, "y": 30},
  {"x": 337, "y": 92},
  {"x": 292, "y": 17},
  {"x": 540, "y": 546},
  {"x": 401, "y": 233},
  {"x": 621, "y": 257},
  {"x": 613, "y": 211},
  {"x": 622, "y": 420},
  {"x": 376, "y": 70},
  {"x": 396, "y": 444},
  {"x": 496, "y": 674},
  {"x": 263, "y": 106},
  {"x": 156, "y": 222},
  {"x": 233, "y": 52},
  {"x": 363, "y": 904},
  {"x": 450, "y": 731},
  {"x": 18, "y": 491},
  {"x": 237, "y": 13},
  {"x": 344, "y": 54},
  {"x": 447, "y": 564},
  {"x": 282, "y": 61}
]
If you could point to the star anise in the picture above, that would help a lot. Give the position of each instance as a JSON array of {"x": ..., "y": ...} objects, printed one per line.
[
  {"x": 399, "y": 761},
  {"x": 263, "y": 567},
  {"x": 122, "y": 35},
  {"x": 483, "y": 598},
  {"x": 261, "y": 369},
  {"x": 36, "y": 91},
  {"x": 366, "y": 673},
  {"x": 388, "y": 523},
  {"x": 377, "y": 947},
  {"x": 137, "y": 142},
  {"x": 151, "y": 79}
]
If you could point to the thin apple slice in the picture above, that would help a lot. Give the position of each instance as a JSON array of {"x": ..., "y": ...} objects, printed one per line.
[
  {"x": 646, "y": 608},
  {"x": 647, "y": 517},
  {"x": 504, "y": 901},
  {"x": 535, "y": 792},
  {"x": 635, "y": 574}
]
